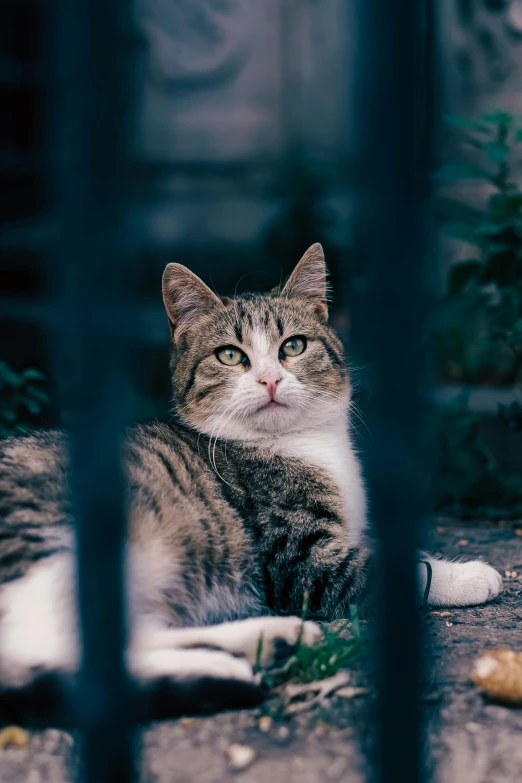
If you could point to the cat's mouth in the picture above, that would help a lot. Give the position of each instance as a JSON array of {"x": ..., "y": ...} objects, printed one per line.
[{"x": 271, "y": 405}]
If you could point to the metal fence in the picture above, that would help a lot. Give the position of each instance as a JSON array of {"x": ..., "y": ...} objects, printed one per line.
[
  {"x": 396, "y": 102},
  {"x": 93, "y": 176}
]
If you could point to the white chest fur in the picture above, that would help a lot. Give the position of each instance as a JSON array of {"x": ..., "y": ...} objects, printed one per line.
[{"x": 330, "y": 449}]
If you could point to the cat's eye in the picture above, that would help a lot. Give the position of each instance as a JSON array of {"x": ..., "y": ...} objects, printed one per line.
[
  {"x": 231, "y": 356},
  {"x": 292, "y": 347}
]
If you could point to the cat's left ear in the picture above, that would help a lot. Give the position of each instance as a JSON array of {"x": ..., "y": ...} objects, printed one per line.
[{"x": 308, "y": 281}]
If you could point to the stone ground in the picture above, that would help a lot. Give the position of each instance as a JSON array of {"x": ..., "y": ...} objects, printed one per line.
[{"x": 470, "y": 740}]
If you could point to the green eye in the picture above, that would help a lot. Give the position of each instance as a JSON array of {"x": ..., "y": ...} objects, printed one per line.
[
  {"x": 231, "y": 356},
  {"x": 292, "y": 347}
]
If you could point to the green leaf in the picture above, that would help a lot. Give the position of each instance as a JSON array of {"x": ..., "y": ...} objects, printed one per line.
[
  {"x": 354, "y": 619},
  {"x": 467, "y": 124},
  {"x": 8, "y": 414},
  {"x": 461, "y": 231},
  {"x": 33, "y": 375},
  {"x": 504, "y": 205},
  {"x": 518, "y": 134},
  {"x": 498, "y": 118},
  {"x": 459, "y": 171},
  {"x": 10, "y": 376},
  {"x": 33, "y": 406},
  {"x": 38, "y": 394},
  {"x": 463, "y": 273},
  {"x": 494, "y": 248},
  {"x": 497, "y": 151},
  {"x": 451, "y": 209},
  {"x": 492, "y": 228}
]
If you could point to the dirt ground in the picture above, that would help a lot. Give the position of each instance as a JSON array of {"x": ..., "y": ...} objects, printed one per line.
[{"x": 470, "y": 740}]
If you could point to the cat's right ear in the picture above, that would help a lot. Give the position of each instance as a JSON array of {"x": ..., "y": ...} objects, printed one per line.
[{"x": 186, "y": 298}]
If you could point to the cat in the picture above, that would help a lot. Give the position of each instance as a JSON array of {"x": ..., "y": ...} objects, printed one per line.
[{"x": 252, "y": 497}]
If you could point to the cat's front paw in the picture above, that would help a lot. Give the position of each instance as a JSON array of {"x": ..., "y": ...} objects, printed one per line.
[
  {"x": 477, "y": 583},
  {"x": 277, "y": 637},
  {"x": 463, "y": 584}
]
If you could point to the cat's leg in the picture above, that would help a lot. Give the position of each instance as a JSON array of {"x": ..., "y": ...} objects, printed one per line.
[
  {"x": 166, "y": 684},
  {"x": 263, "y": 640},
  {"x": 38, "y": 628},
  {"x": 335, "y": 574},
  {"x": 456, "y": 583},
  {"x": 39, "y": 656},
  {"x": 187, "y": 664},
  {"x": 38, "y": 632},
  {"x": 172, "y": 683},
  {"x": 197, "y": 678}
]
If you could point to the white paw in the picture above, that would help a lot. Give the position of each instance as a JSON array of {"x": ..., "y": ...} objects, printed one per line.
[
  {"x": 261, "y": 640},
  {"x": 291, "y": 629},
  {"x": 279, "y": 635},
  {"x": 463, "y": 584},
  {"x": 190, "y": 664}
]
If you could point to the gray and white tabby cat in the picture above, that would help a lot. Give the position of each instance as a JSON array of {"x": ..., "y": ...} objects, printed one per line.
[{"x": 252, "y": 497}]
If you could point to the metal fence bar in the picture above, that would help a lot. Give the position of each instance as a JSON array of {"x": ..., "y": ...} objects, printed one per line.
[
  {"x": 390, "y": 117},
  {"x": 91, "y": 106}
]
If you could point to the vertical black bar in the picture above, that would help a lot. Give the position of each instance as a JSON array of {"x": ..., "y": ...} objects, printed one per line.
[
  {"x": 390, "y": 116},
  {"x": 90, "y": 114}
]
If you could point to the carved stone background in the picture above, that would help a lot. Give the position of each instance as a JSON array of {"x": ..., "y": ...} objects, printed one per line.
[
  {"x": 209, "y": 75},
  {"x": 226, "y": 79},
  {"x": 193, "y": 43},
  {"x": 228, "y": 87},
  {"x": 482, "y": 45},
  {"x": 481, "y": 42}
]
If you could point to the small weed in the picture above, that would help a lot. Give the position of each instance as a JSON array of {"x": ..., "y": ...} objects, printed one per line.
[
  {"x": 322, "y": 659},
  {"x": 354, "y": 619}
]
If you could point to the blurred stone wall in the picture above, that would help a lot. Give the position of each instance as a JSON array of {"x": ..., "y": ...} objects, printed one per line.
[
  {"x": 235, "y": 93},
  {"x": 482, "y": 55},
  {"x": 231, "y": 91}
]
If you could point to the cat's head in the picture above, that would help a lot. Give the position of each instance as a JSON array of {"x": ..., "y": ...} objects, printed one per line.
[{"x": 258, "y": 365}]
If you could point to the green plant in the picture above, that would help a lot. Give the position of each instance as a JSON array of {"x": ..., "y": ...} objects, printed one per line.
[
  {"x": 322, "y": 659},
  {"x": 495, "y": 229},
  {"x": 491, "y": 278},
  {"x": 470, "y": 480},
  {"x": 478, "y": 334},
  {"x": 22, "y": 398}
]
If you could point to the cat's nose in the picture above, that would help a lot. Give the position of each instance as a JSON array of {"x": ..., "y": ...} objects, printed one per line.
[{"x": 270, "y": 380}]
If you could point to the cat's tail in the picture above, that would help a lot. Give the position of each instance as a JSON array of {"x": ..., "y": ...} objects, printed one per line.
[{"x": 49, "y": 699}]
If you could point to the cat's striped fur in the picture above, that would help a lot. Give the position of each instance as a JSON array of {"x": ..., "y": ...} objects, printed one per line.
[{"x": 251, "y": 497}]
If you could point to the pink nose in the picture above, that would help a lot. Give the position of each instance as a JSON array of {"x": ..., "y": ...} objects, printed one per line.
[{"x": 270, "y": 380}]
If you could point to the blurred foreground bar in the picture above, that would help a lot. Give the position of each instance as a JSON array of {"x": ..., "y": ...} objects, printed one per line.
[
  {"x": 391, "y": 116},
  {"x": 90, "y": 72}
]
